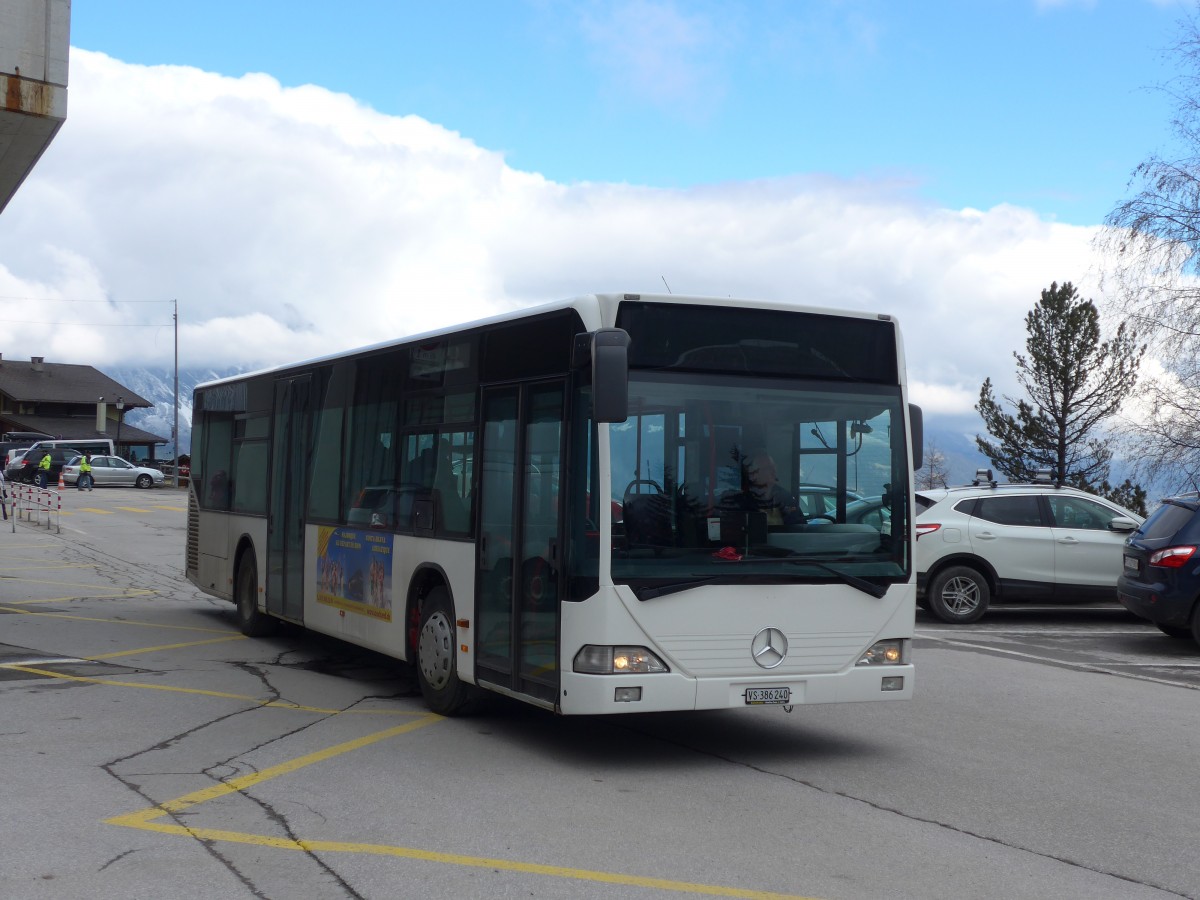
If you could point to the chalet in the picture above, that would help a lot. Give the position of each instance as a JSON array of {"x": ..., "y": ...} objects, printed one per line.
[{"x": 71, "y": 401}]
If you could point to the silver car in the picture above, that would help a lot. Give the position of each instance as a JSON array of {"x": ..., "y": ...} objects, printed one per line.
[{"x": 112, "y": 471}]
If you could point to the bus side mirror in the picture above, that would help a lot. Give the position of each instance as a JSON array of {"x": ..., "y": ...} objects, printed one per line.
[
  {"x": 917, "y": 421},
  {"x": 610, "y": 375}
]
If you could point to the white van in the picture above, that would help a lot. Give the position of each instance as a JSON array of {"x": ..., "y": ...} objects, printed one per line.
[{"x": 90, "y": 446}]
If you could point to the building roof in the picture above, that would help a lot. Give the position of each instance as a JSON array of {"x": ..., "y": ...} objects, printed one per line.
[
  {"x": 37, "y": 381},
  {"x": 82, "y": 428}
]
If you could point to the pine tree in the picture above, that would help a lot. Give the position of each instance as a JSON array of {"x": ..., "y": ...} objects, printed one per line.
[{"x": 1074, "y": 381}]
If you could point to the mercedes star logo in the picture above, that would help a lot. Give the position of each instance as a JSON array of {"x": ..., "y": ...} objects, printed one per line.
[{"x": 769, "y": 647}]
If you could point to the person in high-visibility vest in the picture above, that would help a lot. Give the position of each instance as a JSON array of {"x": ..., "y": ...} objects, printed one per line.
[
  {"x": 44, "y": 470},
  {"x": 84, "y": 481}
]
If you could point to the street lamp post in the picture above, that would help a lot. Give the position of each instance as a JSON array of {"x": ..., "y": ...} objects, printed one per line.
[{"x": 120, "y": 415}]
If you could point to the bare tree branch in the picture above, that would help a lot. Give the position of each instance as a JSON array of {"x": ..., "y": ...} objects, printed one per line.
[{"x": 1153, "y": 242}]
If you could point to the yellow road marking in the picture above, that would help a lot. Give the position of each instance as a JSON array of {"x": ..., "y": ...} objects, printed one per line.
[
  {"x": 133, "y": 509},
  {"x": 140, "y": 650},
  {"x": 94, "y": 509},
  {"x": 173, "y": 508},
  {"x": 42, "y": 568},
  {"x": 145, "y": 820},
  {"x": 26, "y": 612},
  {"x": 222, "y": 695},
  {"x": 89, "y": 595}
]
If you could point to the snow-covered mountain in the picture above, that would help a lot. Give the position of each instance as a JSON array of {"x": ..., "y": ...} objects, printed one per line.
[{"x": 158, "y": 386}]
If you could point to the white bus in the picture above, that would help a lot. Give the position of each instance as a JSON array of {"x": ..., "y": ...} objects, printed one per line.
[{"x": 555, "y": 505}]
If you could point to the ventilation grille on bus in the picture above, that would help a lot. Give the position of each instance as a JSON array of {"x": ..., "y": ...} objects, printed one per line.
[{"x": 193, "y": 535}]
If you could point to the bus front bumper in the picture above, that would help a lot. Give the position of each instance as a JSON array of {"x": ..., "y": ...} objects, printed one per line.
[{"x": 598, "y": 694}]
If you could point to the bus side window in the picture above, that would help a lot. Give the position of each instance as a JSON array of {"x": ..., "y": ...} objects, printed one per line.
[
  {"x": 218, "y": 490},
  {"x": 452, "y": 481},
  {"x": 416, "y": 479},
  {"x": 453, "y": 510}
]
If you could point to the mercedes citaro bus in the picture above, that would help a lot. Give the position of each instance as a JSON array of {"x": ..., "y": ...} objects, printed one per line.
[{"x": 546, "y": 504}]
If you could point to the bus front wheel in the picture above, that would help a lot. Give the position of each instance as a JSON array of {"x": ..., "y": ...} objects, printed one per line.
[
  {"x": 251, "y": 622},
  {"x": 437, "y": 658}
]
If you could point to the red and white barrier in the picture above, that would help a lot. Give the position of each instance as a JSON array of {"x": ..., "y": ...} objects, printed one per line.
[{"x": 30, "y": 502}]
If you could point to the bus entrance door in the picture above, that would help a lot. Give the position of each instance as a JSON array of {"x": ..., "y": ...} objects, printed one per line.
[
  {"x": 517, "y": 553},
  {"x": 290, "y": 439}
]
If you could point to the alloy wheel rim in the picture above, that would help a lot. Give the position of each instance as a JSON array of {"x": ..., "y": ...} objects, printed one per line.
[
  {"x": 436, "y": 650},
  {"x": 961, "y": 595}
]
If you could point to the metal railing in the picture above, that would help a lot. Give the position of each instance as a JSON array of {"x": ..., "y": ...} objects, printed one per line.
[{"x": 30, "y": 502}]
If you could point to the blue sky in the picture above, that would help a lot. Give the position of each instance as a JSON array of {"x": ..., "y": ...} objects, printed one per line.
[
  {"x": 963, "y": 103},
  {"x": 307, "y": 178}
]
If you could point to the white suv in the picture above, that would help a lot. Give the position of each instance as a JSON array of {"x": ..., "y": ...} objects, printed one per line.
[{"x": 1015, "y": 541}]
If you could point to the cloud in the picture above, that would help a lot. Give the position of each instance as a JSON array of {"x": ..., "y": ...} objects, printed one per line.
[
  {"x": 943, "y": 399},
  {"x": 652, "y": 52},
  {"x": 1047, "y": 5},
  {"x": 292, "y": 223}
]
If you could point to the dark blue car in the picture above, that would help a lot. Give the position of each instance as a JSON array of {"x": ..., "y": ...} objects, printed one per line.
[{"x": 1160, "y": 578}]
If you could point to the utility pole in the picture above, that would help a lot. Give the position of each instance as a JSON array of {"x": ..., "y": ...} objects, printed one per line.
[{"x": 175, "y": 427}]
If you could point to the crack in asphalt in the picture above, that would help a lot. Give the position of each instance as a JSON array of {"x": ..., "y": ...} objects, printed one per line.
[
  {"x": 117, "y": 859},
  {"x": 235, "y": 767},
  {"x": 126, "y": 574},
  {"x": 915, "y": 818},
  {"x": 161, "y": 578},
  {"x": 208, "y": 845}
]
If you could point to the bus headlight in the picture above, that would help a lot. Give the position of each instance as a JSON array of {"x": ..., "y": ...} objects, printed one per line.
[
  {"x": 886, "y": 653},
  {"x": 594, "y": 659}
]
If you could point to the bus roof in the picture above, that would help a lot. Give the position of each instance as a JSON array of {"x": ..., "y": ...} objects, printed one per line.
[{"x": 594, "y": 309}]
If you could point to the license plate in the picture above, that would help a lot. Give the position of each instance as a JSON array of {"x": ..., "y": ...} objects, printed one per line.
[
  {"x": 1131, "y": 564},
  {"x": 756, "y": 696}
]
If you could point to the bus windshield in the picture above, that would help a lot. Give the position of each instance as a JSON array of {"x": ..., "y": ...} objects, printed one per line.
[{"x": 719, "y": 478}]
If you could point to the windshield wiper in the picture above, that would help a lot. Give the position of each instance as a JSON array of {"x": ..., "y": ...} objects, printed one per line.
[
  {"x": 867, "y": 587},
  {"x": 674, "y": 587}
]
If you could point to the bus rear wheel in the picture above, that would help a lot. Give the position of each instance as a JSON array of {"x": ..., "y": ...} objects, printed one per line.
[
  {"x": 437, "y": 659},
  {"x": 251, "y": 622}
]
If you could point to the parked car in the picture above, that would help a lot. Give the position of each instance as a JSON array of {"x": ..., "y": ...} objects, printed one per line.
[
  {"x": 13, "y": 458},
  {"x": 25, "y": 469},
  {"x": 875, "y": 511},
  {"x": 820, "y": 500},
  {"x": 112, "y": 471},
  {"x": 988, "y": 541},
  {"x": 386, "y": 506},
  {"x": 14, "y": 441},
  {"x": 1160, "y": 578},
  {"x": 168, "y": 467}
]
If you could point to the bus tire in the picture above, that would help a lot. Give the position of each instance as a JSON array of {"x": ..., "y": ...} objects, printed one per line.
[
  {"x": 437, "y": 658},
  {"x": 958, "y": 595},
  {"x": 251, "y": 622}
]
